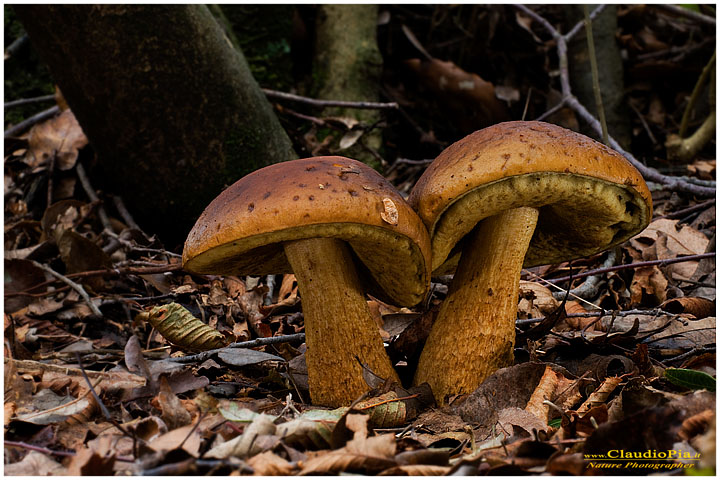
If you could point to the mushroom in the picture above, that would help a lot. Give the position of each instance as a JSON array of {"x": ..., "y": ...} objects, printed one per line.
[
  {"x": 339, "y": 226},
  {"x": 511, "y": 195}
]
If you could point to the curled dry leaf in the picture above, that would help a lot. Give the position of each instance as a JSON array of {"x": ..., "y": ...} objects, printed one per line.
[
  {"x": 662, "y": 240},
  {"x": 600, "y": 395},
  {"x": 180, "y": 328},
  {"x": 648, "y": 286},
  {"x": 696, "y": 306}
]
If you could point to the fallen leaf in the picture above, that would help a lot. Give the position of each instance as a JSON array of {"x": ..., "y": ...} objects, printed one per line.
[
  {"x": 34, "y": 464},
  {"x": 269, "y": 463},
  {"x": 696, "y": 306},
  {"x": 240, "y": 357},
  {"x": 60, "y": 136},
  {"x": 174, "y": 413},
  {"x": 367, "y": 455}
]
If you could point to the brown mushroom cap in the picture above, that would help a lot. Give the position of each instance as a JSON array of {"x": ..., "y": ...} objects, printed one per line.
[
  {"x": 241, "y": 232},
  {"x": 589, "y": 197}
]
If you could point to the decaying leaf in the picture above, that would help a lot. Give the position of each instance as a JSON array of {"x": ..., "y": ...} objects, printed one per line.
[
  {"x": 698, "y": 307},
  {"x": 180, "y": 328},
  {"x": 60, "y": 136}
]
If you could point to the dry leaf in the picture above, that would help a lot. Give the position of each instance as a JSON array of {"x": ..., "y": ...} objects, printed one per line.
[
  {"x": 270, "y": 464},
  {"x": 174, "y": 413},
  {"x": 34, "y": 464},
  {"x": 648, "y": 287},
  {"x": 695, "y": 306},
  {"x": 367, "y": 455},
  {"x": 60, "y": 136},
  {"x": 536, "y": 300},
  {"x": 180, "y": 328},
  {"x": 545, "y": 390}
]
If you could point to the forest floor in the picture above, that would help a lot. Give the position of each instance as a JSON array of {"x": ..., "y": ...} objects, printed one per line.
[{"x": 619, "y": 376}]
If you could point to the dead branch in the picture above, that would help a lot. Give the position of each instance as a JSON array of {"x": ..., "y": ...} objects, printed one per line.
[
  {"x": 330, "y": 103},
  {"x": 29, "y": 122},
  {"x": 75, "y": 286},
  {"x": 649, "y": 263}
]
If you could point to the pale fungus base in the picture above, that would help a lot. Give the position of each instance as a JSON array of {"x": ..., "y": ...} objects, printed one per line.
[
  {"x": 579, "y": 215},
  {"x": 474, "y": 332},
  {"x": 338, "y": 323}
]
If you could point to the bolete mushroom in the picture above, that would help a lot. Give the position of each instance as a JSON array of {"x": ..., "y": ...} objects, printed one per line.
[
  {"x": 339, "y": 226},
  {"x": 511, "y": 195}
]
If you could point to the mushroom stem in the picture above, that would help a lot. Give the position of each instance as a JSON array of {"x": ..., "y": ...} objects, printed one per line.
[
  {"x": 338, "y": 323},
  {"x": 474, "y": 332}
]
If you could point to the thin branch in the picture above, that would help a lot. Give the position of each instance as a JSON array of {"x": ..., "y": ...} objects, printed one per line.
[
  {"x": 29, "y": 122},
  {"x": 75, "y": 286},
  {"x": 695, "y": 95},
  {"x": 44, "y": 450},
  {"x": 329, "y": 103},
  {"x": 28, "y": 101},
  {"x": 687, "y": 13},
  {"x": 16, "y": 45},
  {"x": 579, "y": 25},
  {"x": 124, "y": 213},
  {"x": 685, "y": 211},
  {"x": 90, "y": 191},
  {"x": 258, "y": 342},
  {"x": 649, "y": 263},
  {"x": 599, "y": 313}
]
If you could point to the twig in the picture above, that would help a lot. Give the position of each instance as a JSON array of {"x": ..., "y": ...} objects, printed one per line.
[
  {"x": 687, "y": 13},
  {"x": 649, "y": 263},
  {"x": 685, "y": 211},
  {"x": 75, "y": 286},
  {"x": 407, "y": 161},
  {"x": 690, "y": 353},
  {"x": 258, "y": 342},
  {"x": 16, "y": 45},
  {"x": 588, "y": 289},
  {"x": 329, "y": 103},
  {"x": 695, "y": 95},
  {"x": 391, "y": 400},
  {"x": 124, "y": 213},
  {"x": 85, "y": 181},
  {"x": 172, "y": 267},
  {"x": 599, "y": 313},
  {"x": 29, "y": 101},
  {"x": 29, "y": 122},
  {"x": 46, "y": 451}
]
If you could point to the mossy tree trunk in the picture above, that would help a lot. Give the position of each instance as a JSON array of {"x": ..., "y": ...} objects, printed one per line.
[
  {"x": 168, "y": 104},
  {"x": 348, "y": 66}
]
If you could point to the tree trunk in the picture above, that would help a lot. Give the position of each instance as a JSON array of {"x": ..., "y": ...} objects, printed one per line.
[
  {"x": 169, "y": 106},
  {"x": 348, "y": 66}
]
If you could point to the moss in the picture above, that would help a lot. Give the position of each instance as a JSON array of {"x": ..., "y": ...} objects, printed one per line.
[{"x": 264, "y": 33}]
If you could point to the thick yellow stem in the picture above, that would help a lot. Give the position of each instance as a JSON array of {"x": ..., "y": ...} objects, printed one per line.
[
  {"x": 338, "y": 324},
  {"x": 474, "y": 332}
]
